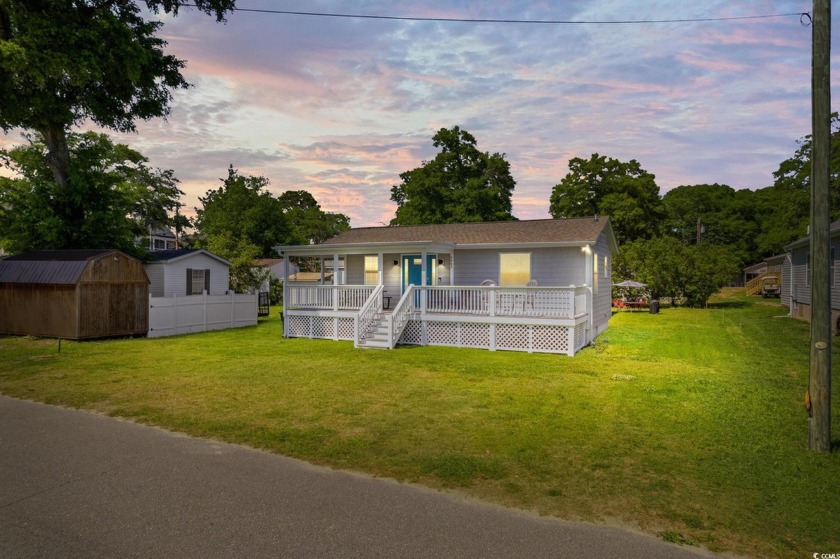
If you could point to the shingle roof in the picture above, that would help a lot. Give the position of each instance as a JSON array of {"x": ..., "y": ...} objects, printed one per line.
[
  {"x": 53, "y": 267},
  {"x": 165, "y": 256},
  {"x": 170, "y": 254},
  {"x": 833, "y": 231},
  {"x": 585, "y": 229}
]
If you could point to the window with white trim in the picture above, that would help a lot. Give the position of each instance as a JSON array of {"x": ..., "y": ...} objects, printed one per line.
[
  {"x": 371, "y": 270},
  {"x": 514, "y": 268},
  {"x": 807, "y": 269},
  {"x": 197, "y": 281}
]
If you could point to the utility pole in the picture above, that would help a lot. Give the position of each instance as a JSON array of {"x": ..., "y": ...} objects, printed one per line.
[{"x": 819, "y": 386}]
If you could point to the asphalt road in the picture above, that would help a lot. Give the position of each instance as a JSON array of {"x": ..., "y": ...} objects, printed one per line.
[{"x": 75, "y": 484}]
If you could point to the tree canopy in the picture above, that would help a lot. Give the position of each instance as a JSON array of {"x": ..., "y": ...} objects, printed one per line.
[
  {"x": 690, "y": 274},
  {"x": 461, "y": 184},
  {"x": 308, "y": 223},
  {"x": 242, "y": 211},
  {"x": 602, "y": 185},
  {"x": 66, "y": 61},
  {"x": 715, "y": 213},
  {"x": 113, "y": 198}
]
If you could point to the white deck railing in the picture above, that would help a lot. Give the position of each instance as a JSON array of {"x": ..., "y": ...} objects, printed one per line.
[
  {"x": 327, "y": 297},
  {"x": 545, "y": 302},
  {"x": 367, "y": 314},
  {"x": 401, "y": 315}
]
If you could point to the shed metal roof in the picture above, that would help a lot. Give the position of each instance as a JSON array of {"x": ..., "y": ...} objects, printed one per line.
[{"x": 52, "y": 267}]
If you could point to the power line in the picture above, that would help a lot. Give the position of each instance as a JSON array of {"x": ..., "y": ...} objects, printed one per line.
[{"x": 517, "y": 21}]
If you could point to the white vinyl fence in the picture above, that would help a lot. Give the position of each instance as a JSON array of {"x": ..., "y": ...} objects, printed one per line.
[{"x": 170, "y": 316}]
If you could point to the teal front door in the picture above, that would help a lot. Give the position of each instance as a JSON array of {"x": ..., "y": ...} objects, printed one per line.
[{"x": 412, "y": 270}]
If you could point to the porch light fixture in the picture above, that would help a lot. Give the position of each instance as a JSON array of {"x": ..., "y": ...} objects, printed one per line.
[
  {"x": 396, "y": 262},
  {"x": 440, "y": 262}
]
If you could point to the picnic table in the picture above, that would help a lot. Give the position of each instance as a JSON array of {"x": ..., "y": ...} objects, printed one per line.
[{"x": 631, "y": 304}]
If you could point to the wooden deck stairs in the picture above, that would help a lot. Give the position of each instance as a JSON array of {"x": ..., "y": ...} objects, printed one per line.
[
  {"x": 754, "y": 285},
  {"x": 376, "y": 336}
]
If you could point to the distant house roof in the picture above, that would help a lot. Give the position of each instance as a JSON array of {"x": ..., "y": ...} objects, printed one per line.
[
  {"x": 167, "y": 256},
  {"x": 309, "y": 276},
  {"x": 54, "y": 267},
  {"x": 834, "y": 231},
  {"x": 568, "y": 231},
  {"x": 268, "y": 262},
  {"x": 162, "y": 231}
]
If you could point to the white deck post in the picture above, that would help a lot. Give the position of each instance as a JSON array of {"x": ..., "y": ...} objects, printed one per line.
[
  {"x": 423, "y": 272},
  {"x": 286, "y": 268},
  {"x": 335, "y": 281}
]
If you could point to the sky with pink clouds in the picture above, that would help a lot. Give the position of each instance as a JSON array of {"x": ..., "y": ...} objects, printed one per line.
[{"x": 340, "y": 107}]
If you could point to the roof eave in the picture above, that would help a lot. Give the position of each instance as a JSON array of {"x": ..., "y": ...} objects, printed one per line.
[{"x": 361, "y": 248}]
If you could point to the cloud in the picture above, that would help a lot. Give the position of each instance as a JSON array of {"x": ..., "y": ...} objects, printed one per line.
[{"x": 341, "y": 107}]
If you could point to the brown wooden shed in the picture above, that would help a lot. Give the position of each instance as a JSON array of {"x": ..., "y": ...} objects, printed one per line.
[{"x": 73, "y": 294}]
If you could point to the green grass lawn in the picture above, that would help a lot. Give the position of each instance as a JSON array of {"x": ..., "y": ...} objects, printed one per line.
[{"x": 689, "y": 424}]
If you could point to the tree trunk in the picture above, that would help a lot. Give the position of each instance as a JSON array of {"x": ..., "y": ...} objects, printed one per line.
[{"x": 58, "y": 154}]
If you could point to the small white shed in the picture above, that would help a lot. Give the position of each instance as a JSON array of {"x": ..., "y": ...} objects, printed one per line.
[{"x": 187, "y": 271}]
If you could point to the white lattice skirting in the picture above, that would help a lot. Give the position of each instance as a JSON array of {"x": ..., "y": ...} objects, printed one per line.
[
  {"x": 536, "y": 338},
  {"x": 323, "y": 327}
]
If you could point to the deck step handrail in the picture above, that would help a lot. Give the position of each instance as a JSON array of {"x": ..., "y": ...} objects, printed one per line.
[
  {"x": 398, "y": 319},
  {"x": 367, "y": 314}
]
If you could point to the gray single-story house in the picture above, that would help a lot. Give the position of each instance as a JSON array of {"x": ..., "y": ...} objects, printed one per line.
[
  {"x": 536, "y": 286},
  {"x": 187, "y": 271},
  {"x": 796, "y": 277}
]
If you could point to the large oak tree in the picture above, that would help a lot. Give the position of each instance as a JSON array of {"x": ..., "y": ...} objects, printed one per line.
[
  {"x": 461, "y": 184},
  {"x": 116, "y": 197},
  {"x": 606, "y": 186},
  {"x": 63, "y": 62}
]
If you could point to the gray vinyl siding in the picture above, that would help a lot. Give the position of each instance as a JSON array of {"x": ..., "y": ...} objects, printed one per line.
[
  {"x": 799, "y": 290},
  {"x": 155, "y": 273},
  {"x": 391, "y": 273},
  {"x": 602, "y": 300},
  {"x": 785, "y": 295},
  {"x": 549, "y": 266},
  {"x": 172, "y": 279}
]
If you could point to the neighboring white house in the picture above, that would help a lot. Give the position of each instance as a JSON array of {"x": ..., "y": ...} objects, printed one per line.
[
  {"x": 188, "y": 293},
  {"x": 796, "y": 277},
  {"x": 537, "y": 286},
  {"x": 162, "y": 238},
  {"x": 187, "y": 271},
  {"x": 276, "y": 269}
]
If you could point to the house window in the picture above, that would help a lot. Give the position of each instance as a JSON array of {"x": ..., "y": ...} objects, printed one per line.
[
  {"x": 606, "y": 266},
  {"x": 807, "y": 269},
  {"x": 514, "y": 268},
  {"x": 595, "y": 272},
  {"x": 198, "y": 281},
  {"x": 371, "y": 270}
]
